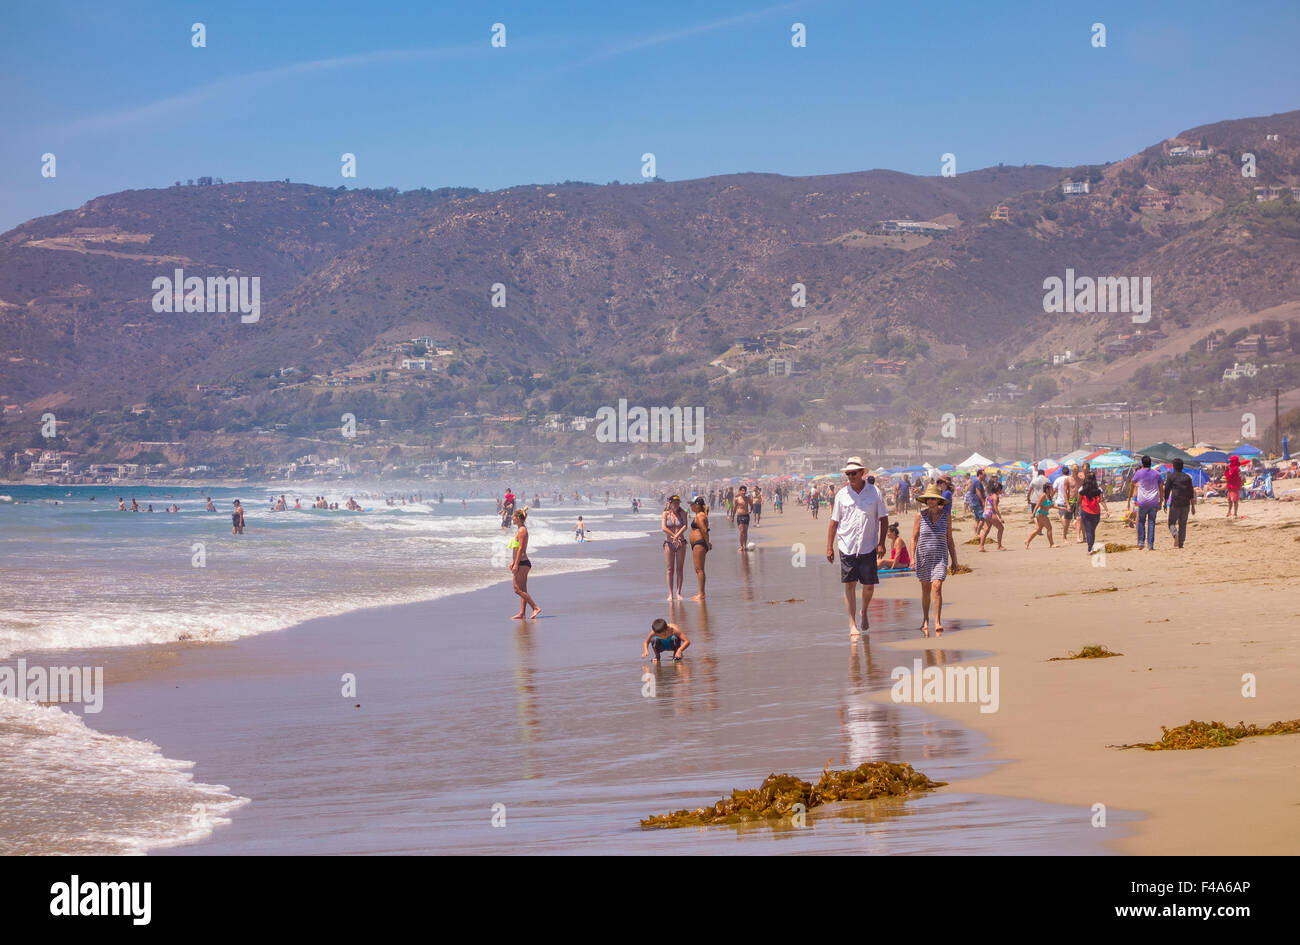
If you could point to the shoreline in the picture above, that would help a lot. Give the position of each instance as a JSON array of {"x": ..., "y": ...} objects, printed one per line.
[
  {"x": 1057, "y": 719},
  {"x": 164, "y": 696}
]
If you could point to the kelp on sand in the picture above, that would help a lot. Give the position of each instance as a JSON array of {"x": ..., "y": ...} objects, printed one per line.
[
  {"x": 1212, "y": 735},
  {"x": 777, "y": 796}
]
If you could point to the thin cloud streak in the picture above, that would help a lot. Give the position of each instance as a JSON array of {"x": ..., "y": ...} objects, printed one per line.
[{"x": 245, "y": 83}]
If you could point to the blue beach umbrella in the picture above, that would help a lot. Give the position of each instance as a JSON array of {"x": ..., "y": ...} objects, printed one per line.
[{"x": 1246, "y": 450}]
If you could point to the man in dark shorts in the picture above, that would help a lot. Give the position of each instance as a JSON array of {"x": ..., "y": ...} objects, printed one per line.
[
  {"x": 859, "y": 522},
  {"x": 742, "y": 516},
  {"x": 1180, "y": 498}
]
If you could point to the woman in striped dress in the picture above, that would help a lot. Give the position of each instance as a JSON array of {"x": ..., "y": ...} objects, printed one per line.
[{"x": 933, "y": 551}]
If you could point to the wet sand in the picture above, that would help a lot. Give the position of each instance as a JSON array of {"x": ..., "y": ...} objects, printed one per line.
[
  {"x": 1190, "y": 624},
  {"x": 458, "y": 709}
]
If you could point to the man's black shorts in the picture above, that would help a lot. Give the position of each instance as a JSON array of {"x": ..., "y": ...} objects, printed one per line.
[{"x": 860, "y": 568}]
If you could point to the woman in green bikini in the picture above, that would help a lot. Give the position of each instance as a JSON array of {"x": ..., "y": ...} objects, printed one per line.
[
  {"x": 520, "y": 566},
  {"x": 1043, "y": 519}
]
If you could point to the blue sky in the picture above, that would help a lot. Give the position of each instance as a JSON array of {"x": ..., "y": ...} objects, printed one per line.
[{"x": 581, "y": 90}]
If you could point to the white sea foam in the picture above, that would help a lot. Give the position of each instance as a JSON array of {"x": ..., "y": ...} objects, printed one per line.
[{"x": 69, "y": 789}]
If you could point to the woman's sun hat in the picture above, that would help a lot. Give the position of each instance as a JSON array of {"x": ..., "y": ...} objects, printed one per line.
[{"x": 932, "y": 492}]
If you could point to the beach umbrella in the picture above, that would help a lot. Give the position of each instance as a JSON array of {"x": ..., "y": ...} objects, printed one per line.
[
  {"x": 1112, "y": 460},
  {"x": 1069, "y": 459},
  {"x": 1246, "y": 450},
  {"x": 1210, "y": 456},
  {"x": 1167, "y": 453},
  {"x": 946, "y": 467}
]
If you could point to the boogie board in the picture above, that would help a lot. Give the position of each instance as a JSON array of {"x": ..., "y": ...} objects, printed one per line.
[{"x": 894, "y": 571}]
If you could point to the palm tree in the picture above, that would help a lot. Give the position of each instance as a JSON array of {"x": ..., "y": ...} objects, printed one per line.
[
  {"x": 918, "y": 420},
  {"x": 879, "y": 430},
  {"x": 1035, "y": 420},
  {"x": 1052, "y": 428},
  {"x": 1087, "y": 430}
]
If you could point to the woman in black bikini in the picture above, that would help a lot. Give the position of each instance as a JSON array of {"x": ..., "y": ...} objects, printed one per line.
[
  {"x": 673, "y": 525},
  {"x": 700, "y": 543},
  {"x": 520, "y": 566}
]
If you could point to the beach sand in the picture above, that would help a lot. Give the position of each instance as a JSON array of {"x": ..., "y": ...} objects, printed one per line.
[
  {"x": 459, "y": 709},
  {"x": 1190, "y": 624}
]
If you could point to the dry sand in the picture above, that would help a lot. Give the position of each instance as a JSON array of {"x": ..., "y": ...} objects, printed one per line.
[{"x": 1190, "y": 624}]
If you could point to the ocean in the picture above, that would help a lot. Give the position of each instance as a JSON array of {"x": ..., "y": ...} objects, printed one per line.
[{"x": 77, "y": 574}]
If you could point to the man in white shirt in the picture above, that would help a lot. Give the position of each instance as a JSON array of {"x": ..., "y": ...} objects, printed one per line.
[
  {"x": 1036, "y": 487},
  {"x": 859, "y": 520}
]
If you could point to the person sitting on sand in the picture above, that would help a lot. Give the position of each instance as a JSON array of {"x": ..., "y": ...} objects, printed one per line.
[
  {"x": 665, "y": 636},
  {"x": 899, "y": 559}
]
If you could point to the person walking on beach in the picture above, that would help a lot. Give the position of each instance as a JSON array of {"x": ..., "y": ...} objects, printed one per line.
[
  {"x": 993, "y": 515},
  {"x": 673, "y": 524},
  {"x": 1180, "y": 500},
  {"x": 236, "y": 519},
  {"x": 1092, "y": 502},
  {"x": 520, "y": 566},
  {"x": 1042, "y": 512},
  {"x": 1144, "y": 494},
  {"x": 933, "y": 552},
  {"x": 814, "y": 501},
  {"x": 1061, "y": 499},
  {"x": 1037, "y": 485},
  {"x": 757, "y": 505},
  {"x": 742, "y": 516},
  {"x": 859, "y": 525},
  {"x": 976, "y": 496},
  {"x": 701, "y": 544},
  {"x": 1232, "y": 481}
]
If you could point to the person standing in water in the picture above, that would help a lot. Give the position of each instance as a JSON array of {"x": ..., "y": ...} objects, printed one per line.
[
  {"x": 236, "y": 519},
  {"x": 520, "y": 566},
  {"x": 742, "y": 516},
  {"x": 933, "y": 552},
  {"x": 859, "y": 525},
  {"x": 673, "y": 525},
  {"x": 701, "y": 545}
]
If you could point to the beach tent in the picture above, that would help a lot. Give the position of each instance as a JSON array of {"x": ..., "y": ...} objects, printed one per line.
[
  {"x": 1199, "y": 476},
  {"x": 1246, "y": 450},
  {"x": 975, "y": 459}
]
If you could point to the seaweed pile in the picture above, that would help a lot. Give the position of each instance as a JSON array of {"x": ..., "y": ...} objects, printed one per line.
[
  {"x": 777, "y": 796},
  {"x": 1212, "y": 735},
  {"x": 1113, "y": 549},
  {"x": 960, "y": 569},
  {"x": 1094, "y": 652}
]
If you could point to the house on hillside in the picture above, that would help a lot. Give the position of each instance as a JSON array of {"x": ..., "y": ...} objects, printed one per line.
[
  {"x": 417, "y": 364},
  {"x": 885, "y": 366},
  {"x": 1239, "y": 370},
  {"x": 1156, "y": 200},
  {"x": 1270, "y": 192},
  {"x": 1001, "y": 212},
  {"x": 779, "y": 367},
  {"x": 1075, "y": 188}
]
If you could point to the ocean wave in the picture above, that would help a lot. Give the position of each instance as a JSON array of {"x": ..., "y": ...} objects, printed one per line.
[{"x": 71, "y": 790}]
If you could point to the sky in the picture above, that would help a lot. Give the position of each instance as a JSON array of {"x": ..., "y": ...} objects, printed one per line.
[{"x": 119, "y": 94}]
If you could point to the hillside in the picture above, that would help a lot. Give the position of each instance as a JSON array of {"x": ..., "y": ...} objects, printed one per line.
[{"x": 612, "y": 285}]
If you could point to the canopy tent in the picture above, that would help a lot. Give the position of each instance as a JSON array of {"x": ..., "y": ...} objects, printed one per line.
[
  {"x": 1246, "y": 450},
  {"x": 1199, "y": 476},
  {"x": 1206, "y": 457},
  {"x": 975, "y": 459},
  {"x": 1166, "y": 453}
]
